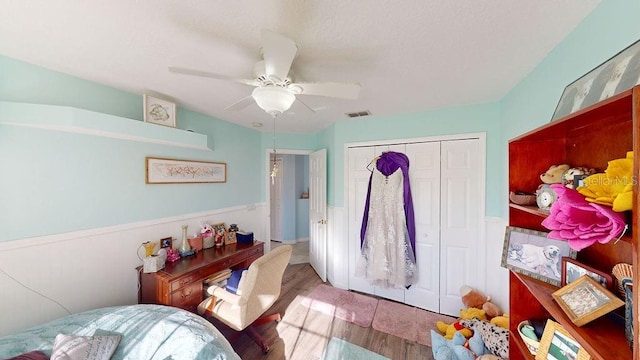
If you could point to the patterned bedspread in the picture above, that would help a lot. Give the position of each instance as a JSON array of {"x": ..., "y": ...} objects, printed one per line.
[{"x": 148, "y": 332}]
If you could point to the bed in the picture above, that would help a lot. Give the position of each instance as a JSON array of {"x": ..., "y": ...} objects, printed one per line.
[{"x": 146, "y": 332}]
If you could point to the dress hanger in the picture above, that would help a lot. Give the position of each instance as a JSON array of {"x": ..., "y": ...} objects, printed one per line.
[{"x": 372, "y": 161}]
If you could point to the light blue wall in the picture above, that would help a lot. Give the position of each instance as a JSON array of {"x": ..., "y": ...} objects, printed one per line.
[
  {"x": 69, "y": 182},
  {"x": 611, "y": 27},
  {"x": 465, "y": 119},
  {"x": 54, "y": 182}
]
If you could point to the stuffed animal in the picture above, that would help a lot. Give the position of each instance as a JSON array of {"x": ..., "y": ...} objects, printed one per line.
[
  {"x": 554, "y": 174},
  {"x": 472, "y": 298},
  {"x": 495, "y": 338},
  {"x": 444, "y": 349},
  {"x": 448, "y": 330},
  {"x": 502, "y": 321},
  {"x": 568, "y": 176}
]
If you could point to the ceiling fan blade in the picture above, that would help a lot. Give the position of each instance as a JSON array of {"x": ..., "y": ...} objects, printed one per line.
[
  {"x": 300, "y": 107},
  {"x": 240, "y": 104},
  {"x": 278, "y": 53},
  {"x": 330, "y": 89},
  {"x": 185, "y": 71}
]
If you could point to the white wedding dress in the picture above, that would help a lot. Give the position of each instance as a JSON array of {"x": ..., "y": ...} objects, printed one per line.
[{"x": 384, "y": 259}]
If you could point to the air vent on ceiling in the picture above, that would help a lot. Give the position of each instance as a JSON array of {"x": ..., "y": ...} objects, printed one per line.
[{"x": 358, "y": 113}]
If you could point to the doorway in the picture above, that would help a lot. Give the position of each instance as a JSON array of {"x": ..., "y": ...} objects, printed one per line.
[{"x": 287, "y": 197}]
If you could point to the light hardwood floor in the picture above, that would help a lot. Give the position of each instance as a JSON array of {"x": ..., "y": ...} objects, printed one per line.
[{"x": 304, "y": 333}]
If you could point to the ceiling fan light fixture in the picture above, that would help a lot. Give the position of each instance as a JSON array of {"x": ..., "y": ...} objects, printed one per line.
[{"x": 272, "y": 99}]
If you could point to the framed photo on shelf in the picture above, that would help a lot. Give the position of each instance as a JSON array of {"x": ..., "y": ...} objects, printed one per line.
[
  {"x": 585, "y": 300},
  {"x": 219, "y": 233},
  {"x": 230, "y": 238},
  {"x": 166, "y": 242},
  {"x": 573, "y": 269},
  {"x": 158, "y": 111},
  {"x": 556, "y": 343},
  {"x": 174, "y": 171},
  {"x": 531, "y": 253},
  {"x": 619, "y": 73}
]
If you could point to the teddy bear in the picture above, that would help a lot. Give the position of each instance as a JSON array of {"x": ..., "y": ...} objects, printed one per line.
[
  {"x": 450, "y": 329},
  {"x": 554, "y": 174},
  {"x": 473, "y": 298}
]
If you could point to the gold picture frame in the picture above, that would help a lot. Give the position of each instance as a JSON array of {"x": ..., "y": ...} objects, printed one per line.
[
  {"x": 175, "y": 171},
  {"x": 158, "y": 111},
  {"x": 230, "y": 238},
  {"x": 585, "y": 300},
  {"x": 556, "y": 343}
]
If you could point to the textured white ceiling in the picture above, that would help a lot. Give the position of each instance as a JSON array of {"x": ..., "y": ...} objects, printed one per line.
[{"x": 409, "y": 55}]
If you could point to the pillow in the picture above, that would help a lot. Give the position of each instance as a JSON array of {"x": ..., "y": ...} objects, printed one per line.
[
  {"x": 234, "y": 280},
  {"x": 72, "y": 347},
  {"x": 31, "y": 355}
]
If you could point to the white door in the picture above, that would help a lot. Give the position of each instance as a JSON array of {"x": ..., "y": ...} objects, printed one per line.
[
  {"x": 318, "y": 212},
  {"x": 359, "y": 160},
  {"x": 460, "y": 209},
  {"x": 424, "y": 176},
  {"x": 276, "y": 201}
]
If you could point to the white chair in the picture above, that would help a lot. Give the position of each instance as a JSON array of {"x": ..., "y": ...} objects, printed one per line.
[{"x": 258, "y": 289}]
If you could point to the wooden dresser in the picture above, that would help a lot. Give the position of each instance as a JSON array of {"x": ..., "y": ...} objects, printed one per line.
[{"x": 180, "y": 283}]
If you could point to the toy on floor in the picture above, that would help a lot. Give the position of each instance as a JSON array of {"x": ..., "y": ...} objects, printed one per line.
[
  {"x": 473, "y": 298},
  {"x": 457, "y": 348},
  {"x": 495, "y": 338},
  {"x": 448, "y": 330},
  {"x": 502, "y": 321}
]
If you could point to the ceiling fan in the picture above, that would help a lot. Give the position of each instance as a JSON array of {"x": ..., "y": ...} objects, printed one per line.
[{"x": 275, "y": 89}]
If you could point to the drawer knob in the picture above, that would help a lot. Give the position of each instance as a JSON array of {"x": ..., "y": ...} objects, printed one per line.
[{"x": 184, "y": 295}]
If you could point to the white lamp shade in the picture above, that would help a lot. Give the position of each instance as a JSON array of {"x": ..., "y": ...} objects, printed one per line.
[{"x": 272, "y": 99}]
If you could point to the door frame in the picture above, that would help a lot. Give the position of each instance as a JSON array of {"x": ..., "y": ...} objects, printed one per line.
[
  {"x": 267, "y": 214},
  {"x": 482, "y": 139}
]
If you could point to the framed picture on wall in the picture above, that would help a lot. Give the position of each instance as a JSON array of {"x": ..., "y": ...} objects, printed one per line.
[{"x": 158, "y": 111}]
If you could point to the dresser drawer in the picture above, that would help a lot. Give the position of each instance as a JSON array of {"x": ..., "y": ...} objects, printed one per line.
[
  {"x": 187, "y": 297},
  {"x": 184, "y": 281}
]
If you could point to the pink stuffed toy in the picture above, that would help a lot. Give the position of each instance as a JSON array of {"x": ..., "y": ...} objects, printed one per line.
[{"x": 580, "y": 222}]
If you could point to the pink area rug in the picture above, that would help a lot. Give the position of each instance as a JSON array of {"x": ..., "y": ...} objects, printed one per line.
[
  {"x": 407, "y": 321},
  {"x": 345, "y": 305}
]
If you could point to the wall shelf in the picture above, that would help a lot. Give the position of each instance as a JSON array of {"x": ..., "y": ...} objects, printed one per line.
[{"x": 80, "y": 121}]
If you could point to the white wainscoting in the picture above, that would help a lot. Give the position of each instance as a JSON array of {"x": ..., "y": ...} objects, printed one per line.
[
  {"x": 497, "y": 277},
  {"x": 42, "y": 278}
]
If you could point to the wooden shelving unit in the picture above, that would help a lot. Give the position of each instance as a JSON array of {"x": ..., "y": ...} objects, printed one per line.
[{"x": 590, "y": 137}]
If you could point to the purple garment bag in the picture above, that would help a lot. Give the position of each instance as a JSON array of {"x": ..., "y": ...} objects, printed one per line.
[{"x": 387, "y": 164}]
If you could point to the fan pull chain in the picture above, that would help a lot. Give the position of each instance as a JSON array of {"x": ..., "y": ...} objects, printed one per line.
[{"x": 274, "y": 171}]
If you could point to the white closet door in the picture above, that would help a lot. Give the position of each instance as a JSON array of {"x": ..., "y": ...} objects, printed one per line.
[
  {"x": 424, "y": 171},
  {"x": 359, "y": 159},
  {"x": 461, "y": 196}
]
